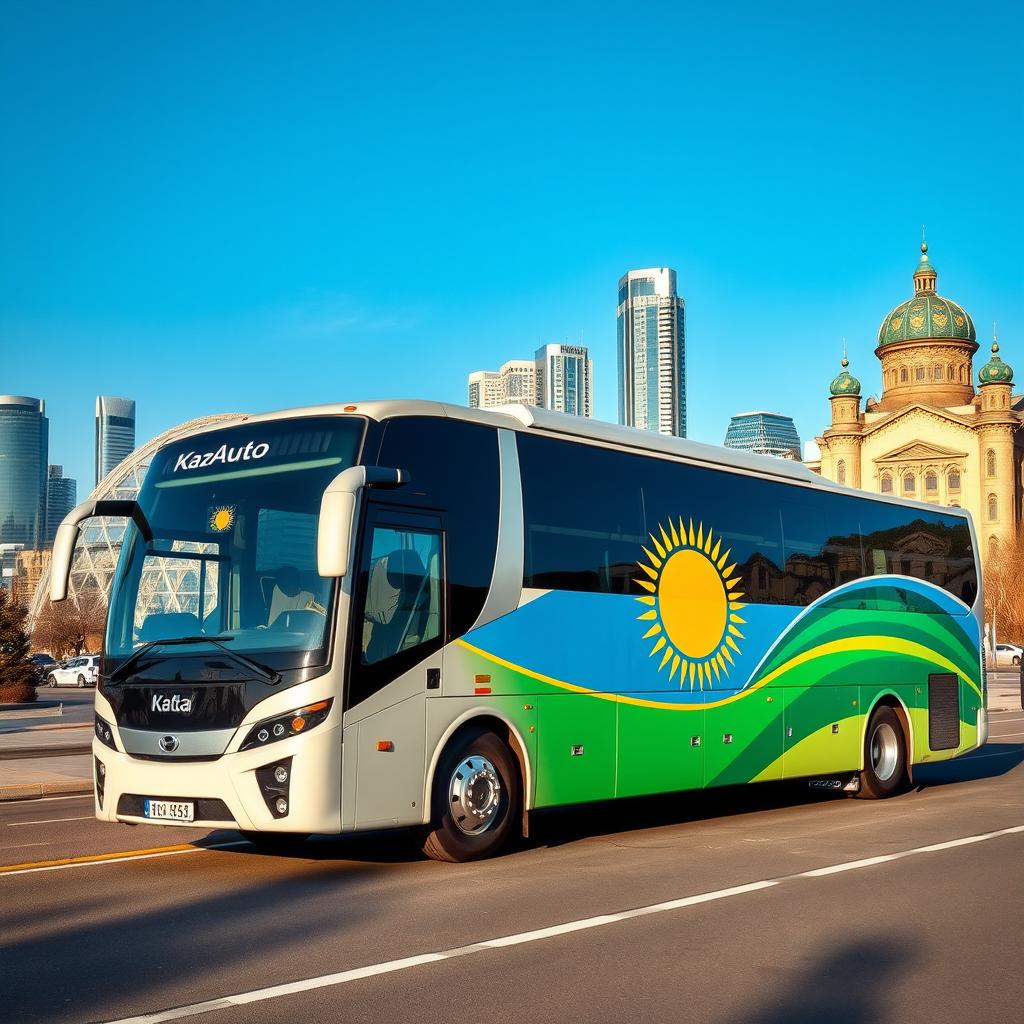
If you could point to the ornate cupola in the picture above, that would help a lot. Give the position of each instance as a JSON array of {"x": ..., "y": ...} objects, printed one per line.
[
  {"x": 845, "y": 390},
  {"x": 926, "y": 345},
  {"x": 995, "y": 381}
]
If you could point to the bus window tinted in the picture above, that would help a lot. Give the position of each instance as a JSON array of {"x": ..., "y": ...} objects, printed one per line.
[{"x": 584, "y": 520}]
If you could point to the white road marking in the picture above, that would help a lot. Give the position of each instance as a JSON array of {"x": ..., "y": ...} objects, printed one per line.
[
  {"x": 49, "y": 821},
  {"x": 1006, "y": 735},
  {"x": 391, "y": 966},
  {"x": 24, "y": 846}
]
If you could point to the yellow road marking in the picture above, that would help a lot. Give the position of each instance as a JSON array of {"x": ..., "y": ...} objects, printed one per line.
[{"x": 99, "y": 858}]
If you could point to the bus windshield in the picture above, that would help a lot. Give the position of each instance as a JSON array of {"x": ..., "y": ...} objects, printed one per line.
[{"x": 234, "y": 516}]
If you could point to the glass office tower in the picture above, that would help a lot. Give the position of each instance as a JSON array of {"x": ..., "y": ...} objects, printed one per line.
[
  {"x": 61, "y": 498},
  {"x": 565, "y": 379},
  {"x": 651, "y": 323},
  {"x": 24, "y": 449},
  {"x": 115, "y": 433},
  {"x": 763, "y": 433}
]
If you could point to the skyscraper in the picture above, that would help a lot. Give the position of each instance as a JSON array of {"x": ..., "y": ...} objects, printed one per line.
[
  {"x": 61, "y": 498},
  {"x": 763, "y": 433},
  {"x": 565, "y": 379},
  {"x": 24, "y": 448},
  {"x": 115, "y": 432},
  {"x": 651, "y": 320}
]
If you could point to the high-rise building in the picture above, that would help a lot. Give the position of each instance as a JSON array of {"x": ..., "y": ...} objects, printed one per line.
[
  {"x": 485, "y": 389},
  {"x": 763, "y": 433},
  {"x": 565, "y": 379},
  {"x": 516, "y": 381},
  {"x": 24, "y": 449},
  {"x": 61, "y": 498},
  {"x": 651, "y": 321},
  {"x": 115, "y": 432}
]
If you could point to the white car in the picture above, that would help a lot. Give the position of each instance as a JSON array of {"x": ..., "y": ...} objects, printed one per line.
[
  {"x": 1008, "y": 655},
  {"x": 76, "y": 672}
]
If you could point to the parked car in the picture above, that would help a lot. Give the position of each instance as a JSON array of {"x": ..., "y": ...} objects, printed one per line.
[
  {"x": 1008, "y": 655},
  {"x": 43, "y": 664},
  {"x": 76, "y": 672}
]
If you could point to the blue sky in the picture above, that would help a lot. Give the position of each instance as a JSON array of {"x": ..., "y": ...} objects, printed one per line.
[{"x": 212, "y": 207}]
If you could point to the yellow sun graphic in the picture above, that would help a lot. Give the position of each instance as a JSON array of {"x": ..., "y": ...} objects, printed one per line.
[
  {"x": 222, "y": 518},
  {"x": 692, "y": 603}
]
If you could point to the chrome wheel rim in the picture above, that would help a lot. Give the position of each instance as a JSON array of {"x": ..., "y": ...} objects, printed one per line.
[
  {"x": 474, "y": 795},
  {"x": 885, "y": 751}
]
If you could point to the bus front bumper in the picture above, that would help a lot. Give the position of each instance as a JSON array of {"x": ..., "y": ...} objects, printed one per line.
[{"x": 229, "y": 792}]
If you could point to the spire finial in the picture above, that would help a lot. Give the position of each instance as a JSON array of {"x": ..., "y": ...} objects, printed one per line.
[
  {"x": 924, "y": 241},
  {"x": 844, "y": 362},
  {"x": 995, "y": 338}
]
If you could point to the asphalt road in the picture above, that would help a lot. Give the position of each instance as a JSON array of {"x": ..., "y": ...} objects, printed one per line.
[{"x": 762, "y": 904}]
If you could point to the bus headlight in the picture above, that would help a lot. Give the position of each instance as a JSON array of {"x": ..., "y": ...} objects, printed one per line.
[
  {"x": 104, "y": 733},
  {"x": 283, "y": 726}
]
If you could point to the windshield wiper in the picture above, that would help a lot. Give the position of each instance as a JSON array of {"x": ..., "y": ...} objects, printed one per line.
[{"x": 265, "y": 673}]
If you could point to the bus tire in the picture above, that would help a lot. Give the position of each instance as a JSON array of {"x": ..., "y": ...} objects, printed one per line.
[
  {"x": 885, "y": 756},
  {"x": 275, "y": 842},
  {"x": 476, "y": 800}
]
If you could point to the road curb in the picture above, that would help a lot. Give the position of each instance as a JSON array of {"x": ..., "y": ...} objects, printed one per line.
[
  {"x": 34, "y": 790},
  {"x": 30, "y": 753}
]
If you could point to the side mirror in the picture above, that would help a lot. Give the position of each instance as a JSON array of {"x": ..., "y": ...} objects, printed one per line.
[
  {"x": 338, "y": 514},
  {"x": 67, "y": 535}
]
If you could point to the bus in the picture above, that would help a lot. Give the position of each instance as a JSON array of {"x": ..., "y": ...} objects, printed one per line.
[{"x": 409, "y": 614}]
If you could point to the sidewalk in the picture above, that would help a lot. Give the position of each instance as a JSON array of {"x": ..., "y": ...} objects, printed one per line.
[{"x": 42, "y": 761}]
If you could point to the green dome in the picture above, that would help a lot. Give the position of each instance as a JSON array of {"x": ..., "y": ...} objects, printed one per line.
[
  {"x": 995, "y": 371},
  {"x": 927, "y": 314},
  {"x": 845, "y": 383}
]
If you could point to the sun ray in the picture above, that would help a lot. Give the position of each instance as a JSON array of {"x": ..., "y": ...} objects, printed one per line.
[
  {"x": 714, "y": 552},
  {"x": 673, "y": 534},
  {"x": 737, "y": 605},
  {"x": 651, "y": 588},
  {"x": 735, "y": 632},
  {"x": 724, "y": 651},
  {"x": 738, "y": 619},
  {"x": 664, "y": 539},
  {"x": 657, "y": 546},
  {"x": 666, "y": 656},
  {"x": 647, "y": 569},
  {"x": 729, "y": 570},
  {"x": 692, "y": 535},
  {"x": 653, "y": 631},
  {"x": 707, "y": 543},
  {"x": 648, "y": 599},
  {"x": 735, "y": 582},
  {"x": 647, "y": 616},
  {"x": 732, "y": 643},
  {"x": 655, "y": 561},
  {"x": 721, "y": 662},
  {"x": 700, "y": 535},
  {"x": 714, "y": 665},
  {"x": 658, "y": 644},
  {"x": 675, "y": 668},
  {"x": 723, "y": 559}
]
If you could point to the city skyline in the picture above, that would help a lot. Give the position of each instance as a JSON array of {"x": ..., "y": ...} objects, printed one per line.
[
  {"x": 223, "y": 250},
  {"x": 560, "y": 377}
]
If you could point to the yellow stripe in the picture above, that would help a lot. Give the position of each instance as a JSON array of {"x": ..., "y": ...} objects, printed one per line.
[
  {"x": 864, "y": 643},
  {"x": 94, "y": 858}
]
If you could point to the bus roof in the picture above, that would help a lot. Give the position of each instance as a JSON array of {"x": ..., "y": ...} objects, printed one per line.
[{"x": 556, "y": 424}]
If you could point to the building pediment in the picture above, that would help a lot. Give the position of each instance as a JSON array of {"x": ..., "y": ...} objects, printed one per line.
[
  {"x": 921, "y": 451},
  {"x": 923, "y": 412}
]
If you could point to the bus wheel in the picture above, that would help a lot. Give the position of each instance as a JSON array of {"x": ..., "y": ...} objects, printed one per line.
[
  {"x": 885, "y": 756},
  {"x": 476, "y": 800},
  {"x": 276, "y": 842}
]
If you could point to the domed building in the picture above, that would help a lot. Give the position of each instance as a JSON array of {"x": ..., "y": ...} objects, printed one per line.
[{"x": 932, "y": 436}]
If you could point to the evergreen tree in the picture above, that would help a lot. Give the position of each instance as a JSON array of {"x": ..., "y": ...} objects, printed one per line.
[{"x": 17, "y": 678}]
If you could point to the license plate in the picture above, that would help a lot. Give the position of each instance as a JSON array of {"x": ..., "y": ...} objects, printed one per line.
[{"x": 169, "y": 810}]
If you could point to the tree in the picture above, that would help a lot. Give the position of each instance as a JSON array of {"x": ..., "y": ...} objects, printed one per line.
[
  {"x": 64, "y": 629},
  {"x": 17, "y": 674},
  {"x": 1004, "y": 596}
]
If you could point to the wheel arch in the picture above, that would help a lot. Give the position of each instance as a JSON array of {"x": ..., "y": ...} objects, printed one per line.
[
  {"x": 890, "y": 699},
  {"x": 493, "y": 721}
]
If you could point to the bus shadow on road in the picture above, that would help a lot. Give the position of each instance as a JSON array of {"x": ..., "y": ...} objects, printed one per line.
[
  {"x": 823, "y": 990},
  {"x": 991, "y": 761}
]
